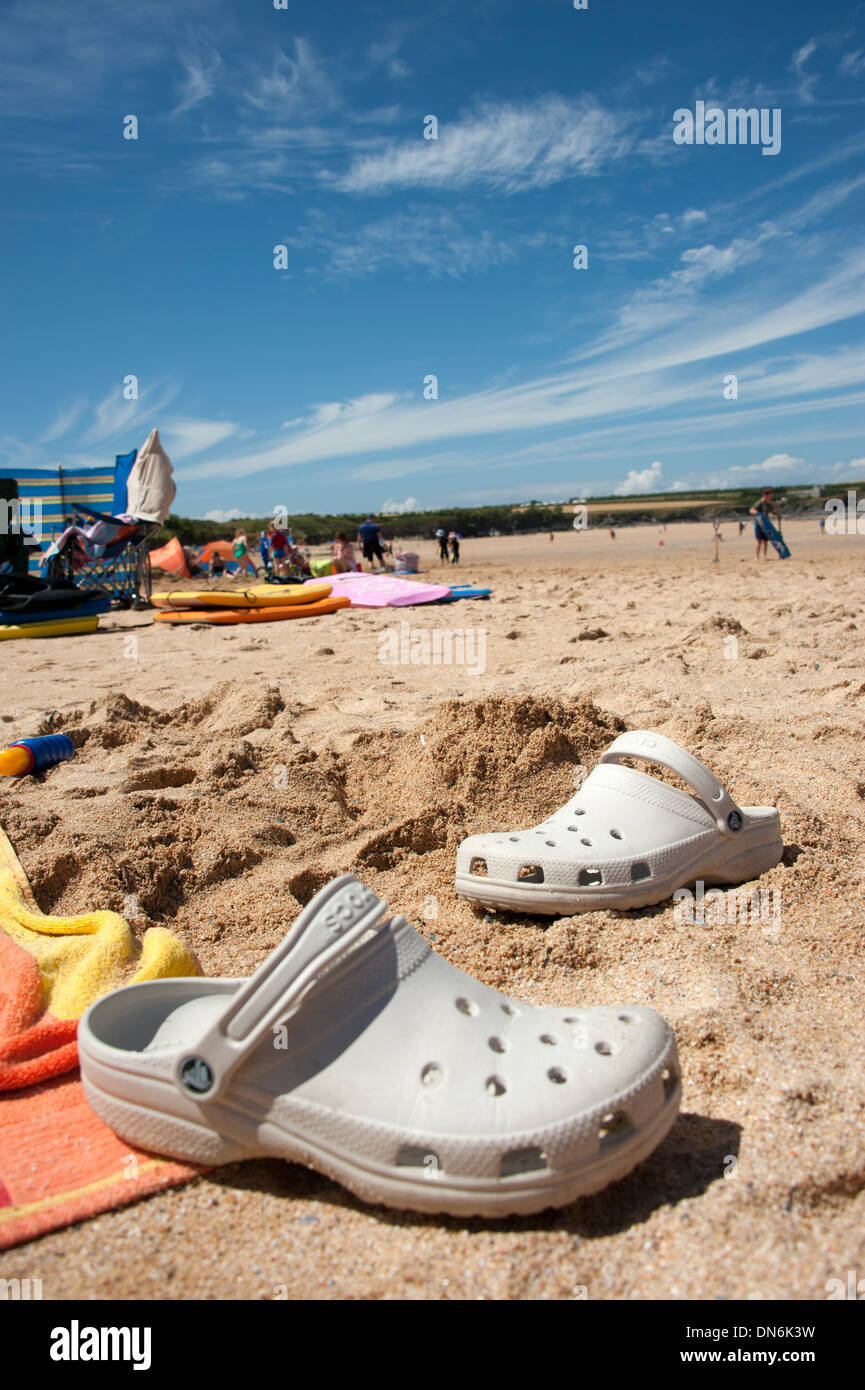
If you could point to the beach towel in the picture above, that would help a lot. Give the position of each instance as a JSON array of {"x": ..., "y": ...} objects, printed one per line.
[
  {"x": 58, "y": 1162},
  {"x": 150, "y": 489},
  {"x": 52, "y": 968}
]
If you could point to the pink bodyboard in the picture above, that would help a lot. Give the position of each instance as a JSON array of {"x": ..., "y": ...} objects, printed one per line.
[{"x": 385, "y": 590}]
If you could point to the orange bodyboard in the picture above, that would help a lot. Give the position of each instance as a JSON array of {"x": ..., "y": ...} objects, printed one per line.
[{"x": 256, "y": 615}]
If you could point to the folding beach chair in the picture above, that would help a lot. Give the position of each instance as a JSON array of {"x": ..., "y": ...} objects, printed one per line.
[
  {"x": 96, "y": 548},
  {"x": 112, "y": 549}
]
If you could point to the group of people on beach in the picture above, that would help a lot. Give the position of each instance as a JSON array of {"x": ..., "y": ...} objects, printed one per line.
[
  {"x": 449, "y": 546},
  {"x": 279, "y": 554}
]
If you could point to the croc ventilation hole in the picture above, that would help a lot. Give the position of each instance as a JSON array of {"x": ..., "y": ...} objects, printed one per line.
[
  {"x": 625, "y": 1018},
  {"x": 604, "y": 1049},
  {"x": 467, "y": 1006},
  {"x": 549, "y": 1039},
  {"x": 617, "y": 834},
  {"x": 496, "y": 1045},
  {"x": 557, "y": 1076},
  {"x": 495, "y": 1086},
  {"x": 670, "y": 1080},
  {"x": 509, "y": 1010},
  {"x": 478, "y": 867},
  {"x": 410, "y": 1156},
  {"x": 589, "y": 876},
  {"x": 531, "y": 873},
  {"x": 639, "y": 872},
  {"x": 586, "y": 842},
  {"x": 614, "y": 1128},
  {"x": 551, "y": 843},
  {"x": 432, "y": 1075},
  {"x": 522, "y": 1161}
]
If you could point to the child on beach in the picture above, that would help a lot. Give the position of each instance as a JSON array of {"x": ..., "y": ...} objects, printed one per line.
[{"x": 342, "y": 551}]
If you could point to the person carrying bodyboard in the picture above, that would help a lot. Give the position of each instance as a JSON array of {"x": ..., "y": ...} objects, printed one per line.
[{"x": 764, "y": 530}]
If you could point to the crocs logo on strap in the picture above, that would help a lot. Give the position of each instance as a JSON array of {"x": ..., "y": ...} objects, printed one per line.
[
  {"x": 345, "y": 908},
  {"x": 196, "y": 1075}
]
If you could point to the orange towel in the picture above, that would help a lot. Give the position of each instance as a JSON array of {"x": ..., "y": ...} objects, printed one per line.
[{"x": 59, "y": 1163}]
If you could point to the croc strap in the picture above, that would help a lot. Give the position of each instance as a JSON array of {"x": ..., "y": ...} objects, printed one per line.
[
  {"x": 655, "y": 748},
  {"x": 327, "y": 929}
]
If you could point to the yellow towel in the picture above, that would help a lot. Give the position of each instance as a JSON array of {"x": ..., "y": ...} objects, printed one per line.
[{"x": 52, "y": 968}]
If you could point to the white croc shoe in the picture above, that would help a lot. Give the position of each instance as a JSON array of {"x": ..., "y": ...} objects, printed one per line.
[
  {"x": 357, "y": 1050},
  {"x": 625, "y": 840}
]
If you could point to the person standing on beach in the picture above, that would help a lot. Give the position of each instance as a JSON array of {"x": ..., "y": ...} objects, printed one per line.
[
  {"x": 264, "y": 550},
  {"x": 278, "y": 548},
  {"x": 442, "y": 538},
  {"x": 240, "y": 552},
  {"x": 369, "y": 538},
  {"x": 454, "y": 539},
  {"x": 765, "y": 507}
]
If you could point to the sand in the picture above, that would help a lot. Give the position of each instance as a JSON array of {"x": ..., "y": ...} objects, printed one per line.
[{"x": 224, "y": 774}]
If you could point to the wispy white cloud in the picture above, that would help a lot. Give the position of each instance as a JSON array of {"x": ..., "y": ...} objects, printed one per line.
[
  {"x": 439, "y": 243},
  {"x": 638, "y": 381},
  {"x": 202, "y": 67},
  {"x": 502, "y": 146},
  {"x": 184, "y": 437},
  {"x": 114, "y": 415},
  {"x": 220, "y": 514},
  {"x": 63, "y": 423},
  {"x": 297, "y": 84}
]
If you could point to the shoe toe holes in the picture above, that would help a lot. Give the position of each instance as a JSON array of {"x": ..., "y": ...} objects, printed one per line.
[
  {"x": 670, "y": 1078},
  {"x": 613, "y": 1129},
  {"x": 531, "y": 873},
  {"x": 467, "y": 1006}
]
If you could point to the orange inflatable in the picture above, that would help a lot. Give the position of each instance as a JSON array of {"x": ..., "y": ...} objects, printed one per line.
[{"x": 171, "y": 559}]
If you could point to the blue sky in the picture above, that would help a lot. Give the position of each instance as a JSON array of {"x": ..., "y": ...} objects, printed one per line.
[{"x": 406, "y": 258}]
